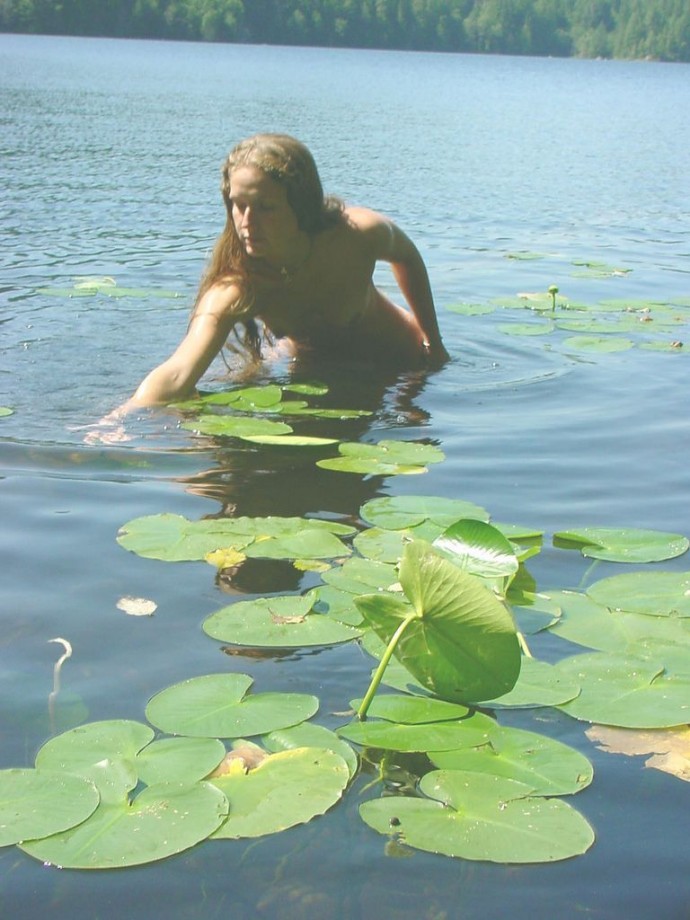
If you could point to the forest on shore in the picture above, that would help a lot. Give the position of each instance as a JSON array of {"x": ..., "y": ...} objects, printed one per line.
[{"x": 632, "y": 29}]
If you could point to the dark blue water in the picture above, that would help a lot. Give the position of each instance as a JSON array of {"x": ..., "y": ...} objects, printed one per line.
[{"x": 110, "y": 157}]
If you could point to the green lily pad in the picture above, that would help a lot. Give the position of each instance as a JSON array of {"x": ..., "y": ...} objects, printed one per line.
[
  {"x": 448, "y": 735},
  {"x": 236, "y": 426},
  {"x": 102, "y": 752},
  {"x": 595, "y": 626},
  {"x": 37, "y": 803},
  {"x": 478, "y": 548},
  {"x": 413, "y": 710},
  {"x": 471, "y": 309},
  {"x": 288, "y": 788},
  {"x": 216, "y": 706},
  {"x": 338, "y": 605},
  {"x": 178, "y": 760},
  {"x": 624, "y": 545},
  {"x": 676, "y": 347},
  {"x": 547, "y": 766},
  {"x": 404, "y": 511},
  {"x": 307, "y": 389},
  {"x": 527, "y": 329},
  {"x": 173, "y": 538},
  {"x": 596, "y": 343},
  {"x": 276, "y": 622},
  {"x": 357, "y": 574},
  {"x": 5, "y": 411},
  {"x": 479, "y": 817},
  {"x": 385, "y": 458},
  {"x": 539, "y": 684},
  {"x": 460, "y": 641},
  {"x": 653, "y": 593},
  {"x": 247, "y": 399},
  {"x": 163, "y": 820},
  {"x": 309, "y": 735},
  {"x": 626, "y": 690}
]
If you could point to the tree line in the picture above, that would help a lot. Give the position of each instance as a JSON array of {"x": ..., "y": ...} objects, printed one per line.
[{"x": 657, "y": 29}]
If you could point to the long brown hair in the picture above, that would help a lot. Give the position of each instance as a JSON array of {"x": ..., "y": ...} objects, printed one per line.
[{"x": 290, "y": 163}]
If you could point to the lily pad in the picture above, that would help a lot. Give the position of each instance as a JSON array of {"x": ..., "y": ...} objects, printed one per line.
[
  {"x": 478, "y": 548},
  {"x": 448, "y": 735},
  {"x": 624, "y": 545},
  {"x": 460, "y": 641},
  {"x": 597, "y": 343},
  {"x": 288, "y": 440},
  {"x": 404, "y": 511},
  {"x": 356, "y": 575},
  {"x": 102, "y": 752},
  {"x": 5, "y": 411},
  {"x": 626, "y": 690},
  {"x": 216, "y": 706},
  {"x": 178, "y": 760},
  {"x": 539, "y": 684},
  {"x": 479, "y": 817},
  {"x": 547, "y": 766},
  {"x": 307, "y": 734},
  {"x": 163, "y": 820},
  {"x": 288, "y": 788},
  {"x": 385, "y": 458},
  {"x": 236, "y": 426},
  {"x": 276, "y": 622},
  {"x": 653, "y": 593},
  {"x": 527, "y": 329},
  {"x": 38, "y": 803}
]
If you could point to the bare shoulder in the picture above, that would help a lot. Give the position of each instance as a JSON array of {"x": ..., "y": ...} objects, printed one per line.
[
  {"x": 375, "y": 230},
  {"x": 222, "y": 301}
]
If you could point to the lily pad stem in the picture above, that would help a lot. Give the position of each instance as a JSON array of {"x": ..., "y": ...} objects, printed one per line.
[
  {"x": 523, "y": 645},
  {"x": 386, "y": 657}
]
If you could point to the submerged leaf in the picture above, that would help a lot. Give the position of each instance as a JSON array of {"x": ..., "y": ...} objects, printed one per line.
[{"x": 669, "y": 747}]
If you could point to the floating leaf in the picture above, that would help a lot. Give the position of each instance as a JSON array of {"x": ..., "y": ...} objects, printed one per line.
[
  {"x": 414, "y": 710},
  {"x": 596, "y": 343},
  {"x": 527, "y": 329},
  {"x": 5, "y": 411},
  {"x": 178, "y": 760},
  {"x": 102, "y": 752},
  {"x": 288, "y": 440},
  {"x": 404, "y": 511},
  {"x": 448, "y": 735},
  {"x": 247, "y": 399},
  {"x": 137, "y": 606},
  {"x": 307, "y": 734},
  {"x": 164, "y": 819},
  {"x": 653, "y": 593},
  {"x": 173, "y": 538},
  {"x": 626, "y": 690},
  {"x": 37, "y": 803},
  {"x": 471, "y": 309},
  {"x": 460, "y": 642},
  {"x": 276, "y": 622},
  {"x": 226, "y": 558},
  {"x": 547, "y": 766},
  {"x": 539, "y": 684},
  {"x": 478, "y": 548},
  {"x": 384, "y": 458},
  {"x": 215, "y": 706},
  {"x": 473, "y": 816},
  {"x": 357, "y": 574},
  {"x": 288, "y": 788},
  {"x": 624, "y": 545},
  {"x": 307, "y": 389},
  {"x": 236, "y": 426}
]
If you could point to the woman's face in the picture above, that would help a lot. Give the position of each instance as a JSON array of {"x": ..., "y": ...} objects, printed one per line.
[{"x": 262, "y": 216}]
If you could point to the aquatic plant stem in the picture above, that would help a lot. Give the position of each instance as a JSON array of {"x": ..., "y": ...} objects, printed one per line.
[{"x": 383, "y": 664}]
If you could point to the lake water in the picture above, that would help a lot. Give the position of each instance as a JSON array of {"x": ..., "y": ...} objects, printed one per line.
[{"x": 509, "y": 173}]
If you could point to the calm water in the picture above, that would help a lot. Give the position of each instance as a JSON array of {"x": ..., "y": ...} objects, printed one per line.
[{"x": 110, "y": 167}]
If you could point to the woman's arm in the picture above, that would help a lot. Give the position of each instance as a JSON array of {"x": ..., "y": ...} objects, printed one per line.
[
  {"x": 389, "y": 244},
  {"x": 176, "y": 378}
]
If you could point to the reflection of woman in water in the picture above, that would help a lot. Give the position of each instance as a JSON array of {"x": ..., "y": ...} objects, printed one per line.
[{"x": 301, "y": 264}]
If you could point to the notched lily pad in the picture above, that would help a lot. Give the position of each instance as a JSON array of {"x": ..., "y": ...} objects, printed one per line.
[
  {"x": 624, "y": 544},
  {"x": 38, "y": 803},
  {"x": 386, "y": 458}
]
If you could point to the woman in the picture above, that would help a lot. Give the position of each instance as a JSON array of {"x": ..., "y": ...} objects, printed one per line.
[{"x": 302, "y": 264}]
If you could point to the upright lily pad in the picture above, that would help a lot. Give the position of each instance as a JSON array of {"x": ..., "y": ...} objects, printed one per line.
[
  {"x": 460, "y": 641},
  {"x": 478, "y": 548},
  {"x": 624, "y": 545},
  {"x": 547, "y": 766},
  {"x": 276, "y": 622},
  {"x": 216, "y": 706},
  {"x": 480, "y": 817},
  {"x": 37, "y": 803},
  {"x": 163, "y": 820},
  {"x": 288, "y": 788}
]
